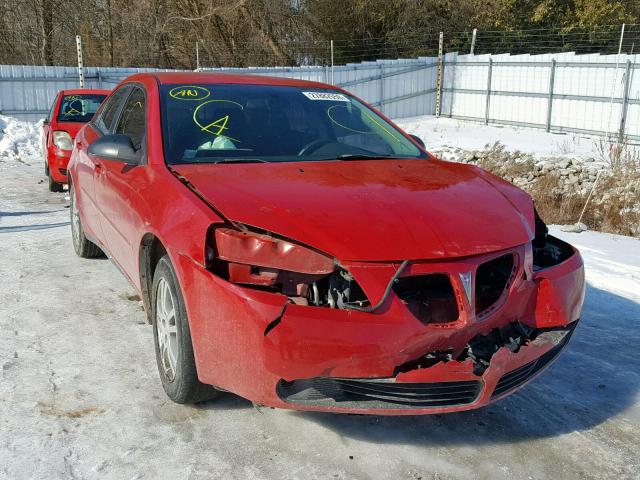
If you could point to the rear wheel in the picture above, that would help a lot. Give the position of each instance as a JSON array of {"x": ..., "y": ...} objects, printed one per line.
[
  {"x": 172, "y": 338},
  {"x": 84, "y": 248}
]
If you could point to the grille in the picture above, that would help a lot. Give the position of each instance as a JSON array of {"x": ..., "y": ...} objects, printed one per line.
[
  {"x": 378, "y": 393},
  {"x": 492, "y": 278},
  {"x": 63, "y": 171},
  {"x": 512, "y": 380},
  {"x": 430, "y": 298}
]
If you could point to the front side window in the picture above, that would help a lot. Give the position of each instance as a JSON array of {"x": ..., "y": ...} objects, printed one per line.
[
  {"x": 217, "y": 123},
  {"x": 79, "y": 107},
  {"x": 132, "y": 118}
]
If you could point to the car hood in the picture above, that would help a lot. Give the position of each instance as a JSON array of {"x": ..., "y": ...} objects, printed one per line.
[{"x": 374, "y": 210}]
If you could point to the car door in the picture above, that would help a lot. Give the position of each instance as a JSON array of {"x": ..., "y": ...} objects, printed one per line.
[
  {"x": 118, "y": 187},
  {"x": 88, "y": 168}
]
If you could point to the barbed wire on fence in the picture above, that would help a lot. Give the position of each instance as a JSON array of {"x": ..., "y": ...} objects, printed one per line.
[
  {"x": 605, "y": 40},
  {"x": 304, "y": 52}
]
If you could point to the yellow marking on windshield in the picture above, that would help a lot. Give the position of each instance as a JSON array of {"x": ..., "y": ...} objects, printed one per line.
[
  {"x": 382, "y": 127},
  {"x": 220, "y": 123},
  {"x": 189, "y": 92},
  {"x": 330, "y": 115}
]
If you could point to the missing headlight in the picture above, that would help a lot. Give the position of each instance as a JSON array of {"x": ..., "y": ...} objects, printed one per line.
[
  {"x": 263, "y": 261},
  {"x": 553, "y": 252},
  {"x": 548, "y": 250}
]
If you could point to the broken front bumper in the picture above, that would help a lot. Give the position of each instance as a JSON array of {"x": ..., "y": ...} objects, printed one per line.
[
  {"x": 263, "y": 348},
  {"x": 422, "y": 390}
]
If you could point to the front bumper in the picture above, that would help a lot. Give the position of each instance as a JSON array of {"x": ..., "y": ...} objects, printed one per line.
[
  {"x": 419, "y": 391},
  {"x": 263, "y": 348},
  {"x": 58, "y": 160}
]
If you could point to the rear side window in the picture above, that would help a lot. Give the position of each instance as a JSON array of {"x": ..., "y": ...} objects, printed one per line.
[
  {"x": 79, "y": 107},
  {"x": 104, "y": 122},
  {"x": 132, "y": 118}
]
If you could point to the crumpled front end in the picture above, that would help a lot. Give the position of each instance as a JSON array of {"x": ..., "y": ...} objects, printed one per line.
[{"x": 450, "y": 335}]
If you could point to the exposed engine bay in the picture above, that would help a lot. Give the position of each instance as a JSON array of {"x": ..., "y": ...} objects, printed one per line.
[{"x": 337, "y": 290}]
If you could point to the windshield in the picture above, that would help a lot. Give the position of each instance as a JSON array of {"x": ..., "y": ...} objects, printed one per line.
[
  {"x": 79, "y": 107},
  {"x": 234, "y": 123}
]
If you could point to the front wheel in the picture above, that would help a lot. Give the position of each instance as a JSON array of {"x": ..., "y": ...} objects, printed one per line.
[
  {"x": 172, "y": 338},
  {"x": 53, "y": 185},
  {"x": 84, "y": 248}
]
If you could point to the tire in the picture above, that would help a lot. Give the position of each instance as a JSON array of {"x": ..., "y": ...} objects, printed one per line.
[
  {"x": 84, "y": 248},
  {"x": 53, "y": 185},
  {"x": 172, "y": 339}
]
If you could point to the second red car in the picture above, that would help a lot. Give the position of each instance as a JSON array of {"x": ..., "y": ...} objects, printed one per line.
[{"x": 71, "y": 109}]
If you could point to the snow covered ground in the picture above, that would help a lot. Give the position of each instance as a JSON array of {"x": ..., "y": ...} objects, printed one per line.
[
  {"x": 80, "y": 398},
  {"x": 442, "y": 134}
]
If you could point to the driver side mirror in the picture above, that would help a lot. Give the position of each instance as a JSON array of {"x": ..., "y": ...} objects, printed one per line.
[
  {"x": 418, "y": 140},
  {"x": 115, "y": 147}
]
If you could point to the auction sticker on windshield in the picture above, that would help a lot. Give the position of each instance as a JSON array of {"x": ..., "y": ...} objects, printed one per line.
[{"x": 334, "y": 97}]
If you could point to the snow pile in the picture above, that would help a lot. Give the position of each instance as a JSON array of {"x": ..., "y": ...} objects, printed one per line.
[{"x": 19, "y": 141}]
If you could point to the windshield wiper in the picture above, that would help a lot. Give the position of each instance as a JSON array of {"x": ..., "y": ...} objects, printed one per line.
[
  {"x": 358, "y": 156},
  {"x": 240, "y": 160}
]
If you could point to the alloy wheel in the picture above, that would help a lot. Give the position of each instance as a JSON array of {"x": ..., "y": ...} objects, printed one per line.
[{"x": 167, "y": 329}]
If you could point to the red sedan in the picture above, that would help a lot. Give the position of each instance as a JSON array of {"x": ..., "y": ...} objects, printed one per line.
[
  {"x": 71, "y": 109},
  {"x": 293, "y": 246}
]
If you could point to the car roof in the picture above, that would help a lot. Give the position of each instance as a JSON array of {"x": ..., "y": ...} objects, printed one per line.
[
  {"x": 173, "y": 78},
  {"x": 89, "y": 91}
]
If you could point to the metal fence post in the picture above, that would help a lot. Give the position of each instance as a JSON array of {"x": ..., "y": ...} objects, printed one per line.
[
  {"x": 615, "y": 81},
  {"x": 80, "y": 64},
  {"x": 331, "y": 45},
  {"x": 488, "y": 102},
  {"x": 552, "y": 75},
  {"x": 439, "y": 77},
  {"x": 625, "y": 100},
  {"x": 381, "y": 71},
  {"x": 444, "y": 64},
  {"x": 473, "y": 41}
]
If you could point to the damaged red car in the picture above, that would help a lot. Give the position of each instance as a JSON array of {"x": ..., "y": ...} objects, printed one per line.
[{"x": 293, "y": 246}]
